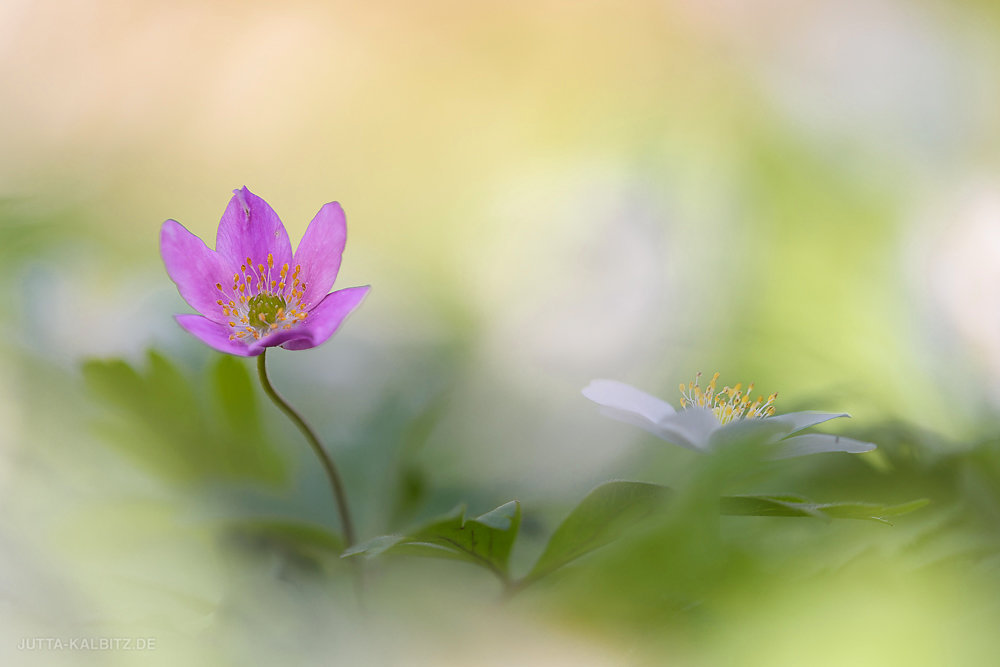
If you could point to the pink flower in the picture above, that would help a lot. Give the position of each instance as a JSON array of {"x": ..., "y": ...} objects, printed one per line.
[{"x": 251, "y": 291}]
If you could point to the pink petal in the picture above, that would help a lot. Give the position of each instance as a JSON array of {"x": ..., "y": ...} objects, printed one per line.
[
  {"x": 250, "y": 228},
  {"x": 194, "y": 268},
  {"x": 322, "y": 322},
  {"x": 319, "y": 252},
  {"x": 215, "y": 335}
]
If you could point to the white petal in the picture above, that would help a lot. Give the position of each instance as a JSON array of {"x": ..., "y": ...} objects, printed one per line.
[
  {"x": 626, "y": 398},
  {"x": 803, "y": 420},
  {"x": 691, "y": 428},
  {"x": 816, "y": 443},
  {"x": 646, "y": 425},
  {"x": 750, "y": 430}
]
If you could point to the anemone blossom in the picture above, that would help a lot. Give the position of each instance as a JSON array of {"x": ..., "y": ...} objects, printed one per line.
[
  {"x": 252, "y": 291},
  {"x": 710, "y": 418}
]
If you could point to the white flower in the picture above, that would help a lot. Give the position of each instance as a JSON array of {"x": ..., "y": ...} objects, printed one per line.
[{"x": 709, "y": 419}]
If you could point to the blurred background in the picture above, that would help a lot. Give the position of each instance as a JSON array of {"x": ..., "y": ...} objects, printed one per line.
[{"x": 804, "y": 195}]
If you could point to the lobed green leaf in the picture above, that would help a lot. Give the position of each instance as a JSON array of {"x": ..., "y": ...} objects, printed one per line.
[
  {"x": 485, "y": 540},
  {"x": 167, "y": 423}
]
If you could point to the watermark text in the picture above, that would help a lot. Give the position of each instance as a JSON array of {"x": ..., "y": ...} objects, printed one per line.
[{"x": 86, "y": 643}]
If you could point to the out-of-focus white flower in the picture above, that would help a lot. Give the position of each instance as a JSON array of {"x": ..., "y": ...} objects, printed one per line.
[{"x": 711, "y": 418}]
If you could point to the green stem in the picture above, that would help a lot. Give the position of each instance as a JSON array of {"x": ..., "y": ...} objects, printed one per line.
[{"x": 331, "y": 470}]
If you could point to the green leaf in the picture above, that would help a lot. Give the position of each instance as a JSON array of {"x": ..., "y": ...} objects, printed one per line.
[
  {"x": 798, "y": 506},
  {"x": 485, "y": 541},
  {"x": 600, "y": 518},
  {"x": 244, "y": 443},
  {"x": 612, "y": 508},
  {"x": 235, "y": 395},
  {"x": 166, "y": 423},
  {"x": 871, "y": 511},
  {"x": 769, "y": 506}
]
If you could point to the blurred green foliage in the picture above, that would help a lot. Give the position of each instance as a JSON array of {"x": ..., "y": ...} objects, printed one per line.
[{"x": 187, "y": 432}]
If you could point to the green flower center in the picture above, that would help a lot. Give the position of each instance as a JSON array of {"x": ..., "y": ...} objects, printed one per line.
[
  {"x": 265, "y": 309},
  {"x": 276, "y": 304}
]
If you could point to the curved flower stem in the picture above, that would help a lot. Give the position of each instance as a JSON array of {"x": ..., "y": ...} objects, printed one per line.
[{"x": 331, "y": 470}]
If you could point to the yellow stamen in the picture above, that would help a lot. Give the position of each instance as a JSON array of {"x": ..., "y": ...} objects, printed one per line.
[
  {"x": 254, "y": 282},
  {"x": 728, "y": 404}
]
